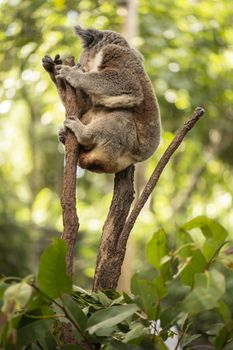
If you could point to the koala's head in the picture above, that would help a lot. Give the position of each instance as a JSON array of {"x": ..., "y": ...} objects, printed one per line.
[{"x": 93, "y": 37}]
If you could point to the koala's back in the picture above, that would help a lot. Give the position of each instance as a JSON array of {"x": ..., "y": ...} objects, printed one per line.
[
  {"x": 123, "y": 120},
  {"x": 144, "y": 108}
]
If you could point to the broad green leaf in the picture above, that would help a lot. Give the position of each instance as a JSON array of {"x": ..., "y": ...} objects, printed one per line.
[
  {"x": 214, "y": 233},
  {"x": 157, "y": 248},
  {"x": 118, "y": 345},
  {"x": 207, "y": 290},
  {"x": 110, "y": 317},
  {"x": 224, "y": 310},
  {"x": 145, "y": 295},
  {"x": 137, "y": 331},
  {"x": 36, "y": 347},
  {"x": 49, "y": 341},
  {"x": 188, "y": 338},
  {"x": 106, "y": 332},
  {"x": 103, "y": 299},
  {"x": 168, "y": 317},
  {"x": 195, "y": 264},
  {"x": 184, "y": 244},
  {"x": 75, "y": 311},
  {"x": 52, "y": 276},
  {"x": 32, "y": 331},
  {"x": 160, "y": 287},
  {"x": 162, "y": 345},
  {"x": 221, "y": 338}
]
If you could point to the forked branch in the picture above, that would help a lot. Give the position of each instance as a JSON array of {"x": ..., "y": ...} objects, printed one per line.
[{"x": 107, "y": 274}]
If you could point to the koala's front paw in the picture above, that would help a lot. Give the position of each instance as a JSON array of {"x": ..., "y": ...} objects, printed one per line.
[
  {"x": 62, "y": 134},
  {"x": 71, "y": 123},
  {"x": 62, "y": 71},
  {"x": 57, "y": 59},
  {"x": 48, "y": 63}
]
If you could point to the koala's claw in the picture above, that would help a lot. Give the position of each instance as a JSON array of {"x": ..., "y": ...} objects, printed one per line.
[
  {"x": 62, "y": 134},
  {"x": 71, "y": 123},
  {"x": 72, "y": 117},
  {"x": 57, "y": 59},
  {"x": 49, "y": 64}
]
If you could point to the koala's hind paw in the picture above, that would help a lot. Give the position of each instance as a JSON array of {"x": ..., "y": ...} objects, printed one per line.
[{"x": 62, "y": 134}]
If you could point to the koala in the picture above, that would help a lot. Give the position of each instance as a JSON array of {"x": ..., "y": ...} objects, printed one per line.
[{"x": 120, "y": 122}]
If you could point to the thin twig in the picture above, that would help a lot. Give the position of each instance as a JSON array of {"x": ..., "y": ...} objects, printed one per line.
[{"x": 188, "y": 125}]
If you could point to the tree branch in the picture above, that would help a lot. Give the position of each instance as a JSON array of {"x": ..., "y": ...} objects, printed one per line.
[
  {"x": 69, "y": 98},
  {"x": 122, "y": 199},
  {"x": 68, "y": 197},
  {"x": 113, "y": 260}
]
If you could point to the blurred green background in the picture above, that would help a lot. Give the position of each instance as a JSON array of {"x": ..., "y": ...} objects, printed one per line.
[{"x": 187, "y": 45}]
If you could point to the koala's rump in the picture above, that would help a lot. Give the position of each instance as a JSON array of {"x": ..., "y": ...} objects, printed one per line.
[{"x": 114, "y": 142}]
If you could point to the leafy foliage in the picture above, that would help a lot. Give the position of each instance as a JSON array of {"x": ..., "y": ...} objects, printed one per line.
[
  {"x": 35, "y": 310},
  {"x": 52, "y": 276}
]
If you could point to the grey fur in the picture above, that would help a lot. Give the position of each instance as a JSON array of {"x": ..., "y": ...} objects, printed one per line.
[{"x": 121, "y": 123}]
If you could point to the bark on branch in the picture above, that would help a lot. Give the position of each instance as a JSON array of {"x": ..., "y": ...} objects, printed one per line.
[
  {"x": 122, "y": 199},
  {"x": 69, "y": 98},
  {"x": 113, "y": 244},
  {"x": 68, "y": 197}
]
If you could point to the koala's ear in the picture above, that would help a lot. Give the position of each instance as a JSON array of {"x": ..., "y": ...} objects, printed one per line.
[{"x": 89, "y": 36}]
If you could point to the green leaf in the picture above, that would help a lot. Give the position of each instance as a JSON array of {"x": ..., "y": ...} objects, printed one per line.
[
  {"x": 184, "y": 244},
  {"x": 145, "y": 295},
  {"x": 208, "y": 289},
  {"x": 214, "y": 233},
  {"x": 160, "y": 287},
  {"x": 75, "y": 311},
  {"x": 52, "y": 276},
  {"x": 195, "y": 264},
  {"x": 122, "y": 346},
  {"x": 156, "y": 248},
  {"x": 32, "y": 332},
  {"x": 221, "y": 338},
  {"x": 35, "y": 347},
  {"x": 110, "y": 317},
  {"x": 162, "y": 345},
  {"x": 49, "y": 340},
  {"x": 187, "y": 339},
  {"x": 137, "y": 331},
  {"x": 103, "y": 299},
  {"x": 224, "y": 311}
]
